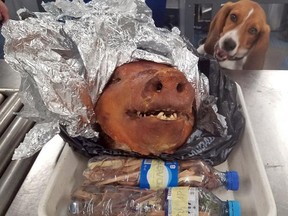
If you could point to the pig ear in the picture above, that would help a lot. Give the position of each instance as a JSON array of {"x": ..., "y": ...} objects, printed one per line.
[{"x": 216, "y": 27}]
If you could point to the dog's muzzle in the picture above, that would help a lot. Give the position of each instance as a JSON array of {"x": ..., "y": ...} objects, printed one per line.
[{"x": 222, "y": 54}]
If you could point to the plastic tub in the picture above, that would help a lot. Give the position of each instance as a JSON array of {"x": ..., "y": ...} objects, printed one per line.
[{"x": 255, "y": 194}]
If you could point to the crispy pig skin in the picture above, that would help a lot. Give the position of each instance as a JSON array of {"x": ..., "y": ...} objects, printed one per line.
[{"x": 146, "y": 108}]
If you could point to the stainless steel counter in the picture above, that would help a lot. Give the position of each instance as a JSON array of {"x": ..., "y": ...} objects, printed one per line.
[{"x": 266, "y": 96}]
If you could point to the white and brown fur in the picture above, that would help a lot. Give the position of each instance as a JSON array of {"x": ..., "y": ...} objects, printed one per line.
[{"x": 238, "y": 36}]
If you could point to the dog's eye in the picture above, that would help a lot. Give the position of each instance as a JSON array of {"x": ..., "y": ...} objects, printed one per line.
[
  {"x": 233, "y": 17},
  {"x": 253, "y": 31}
]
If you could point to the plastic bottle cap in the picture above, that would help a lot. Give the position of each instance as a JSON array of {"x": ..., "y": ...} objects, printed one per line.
[
  {"x": 74, "y": 208},
  {"x": 232, "y": 180},
  {"x": 234, "y": 208}
]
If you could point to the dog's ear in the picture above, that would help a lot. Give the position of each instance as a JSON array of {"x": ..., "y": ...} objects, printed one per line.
[
  {"x": 256, "y": 58},
  {"x": 216, "y": 27}
]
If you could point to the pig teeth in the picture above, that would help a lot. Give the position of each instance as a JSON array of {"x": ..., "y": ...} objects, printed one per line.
[
  {"x": 160, "y": 115},
  {"x": 173, "y": 117}
]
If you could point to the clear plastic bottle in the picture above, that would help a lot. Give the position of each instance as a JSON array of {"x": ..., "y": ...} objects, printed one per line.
[
  {"x": 156, "y": 174},
  {"x": 132, "y": 201}
]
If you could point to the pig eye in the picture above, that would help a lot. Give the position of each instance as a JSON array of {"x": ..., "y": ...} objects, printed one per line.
[
  {"x": 233, "y": 18},
  {"x": 115, "y": 80},
  {"x": 159, "y": 86}
]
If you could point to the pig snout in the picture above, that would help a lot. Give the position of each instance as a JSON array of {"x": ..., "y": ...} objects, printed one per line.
[{"x": 169, "y": 88}]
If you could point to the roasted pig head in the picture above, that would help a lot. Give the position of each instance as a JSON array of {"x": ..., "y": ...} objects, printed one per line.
[{"x": 146, "y": 108}]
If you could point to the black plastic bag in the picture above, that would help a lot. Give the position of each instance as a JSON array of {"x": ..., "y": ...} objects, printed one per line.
[{"x": 211, "y": 147}]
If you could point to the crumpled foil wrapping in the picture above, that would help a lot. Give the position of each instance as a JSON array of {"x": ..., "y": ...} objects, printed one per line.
[
  {"x": 32, "y": 139},
  {"x": 75, "y": 46}
]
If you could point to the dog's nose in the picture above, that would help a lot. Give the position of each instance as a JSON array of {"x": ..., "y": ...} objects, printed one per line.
[{"x": 229, "y": 44}]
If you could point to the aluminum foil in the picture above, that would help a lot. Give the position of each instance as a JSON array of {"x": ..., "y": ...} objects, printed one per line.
[{"x": 73, "y": 49}]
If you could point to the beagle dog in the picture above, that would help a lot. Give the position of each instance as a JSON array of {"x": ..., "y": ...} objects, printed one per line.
[{"x": 238, "y": 36}]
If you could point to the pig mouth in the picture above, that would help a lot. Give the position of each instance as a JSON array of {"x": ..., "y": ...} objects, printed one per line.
[{"x": 163, "y": 115}]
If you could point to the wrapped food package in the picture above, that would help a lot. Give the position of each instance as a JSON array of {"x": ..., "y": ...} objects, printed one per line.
[
  {"x": 205, "y": 141},
  {"x": 130, "y": 201},
  {"x": 110, "y": 200},
  {"x": 156, "y": 174},
  {"x": 69, "y": 56}
]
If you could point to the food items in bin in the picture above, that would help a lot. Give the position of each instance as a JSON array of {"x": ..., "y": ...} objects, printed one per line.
[
  {"x": 147, "y": 108},
  {"x": 130, "y": 201},
  {"x": 148, "y": 173}
]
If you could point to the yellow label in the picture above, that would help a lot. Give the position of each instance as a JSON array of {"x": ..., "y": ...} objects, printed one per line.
[
  {"x": 179, "y": 201},
  {"x": 157, "y": 175}
]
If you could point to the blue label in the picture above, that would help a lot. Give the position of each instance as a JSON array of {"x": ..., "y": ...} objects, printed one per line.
[{"x": 156, "y": 174}]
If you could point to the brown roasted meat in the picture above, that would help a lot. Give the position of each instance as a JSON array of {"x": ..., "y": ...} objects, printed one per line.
[{"x": 147, "y": 108}]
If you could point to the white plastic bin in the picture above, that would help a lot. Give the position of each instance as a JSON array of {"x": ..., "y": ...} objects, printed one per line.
[{"x": 255, "y": 194}]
